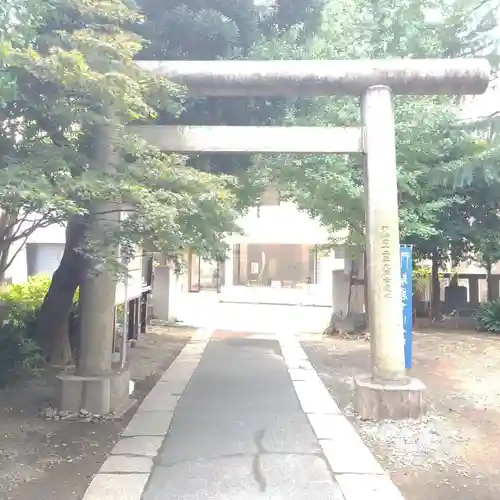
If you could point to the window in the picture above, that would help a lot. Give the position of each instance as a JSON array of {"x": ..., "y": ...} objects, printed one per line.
[
  {"x": 339, "y": 253},
  {"x": 290, "y": 265},
  {"x": 205, "y": 274},
  {"x": 313, "y": 265},
  {"x": 43, "y": 258},
  {"x": 147, "y": 269}
]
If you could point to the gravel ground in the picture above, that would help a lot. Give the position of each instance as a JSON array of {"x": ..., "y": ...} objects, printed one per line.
[
  {"x": 43, "y": 459},
  {"x": 453, "y": 453}
]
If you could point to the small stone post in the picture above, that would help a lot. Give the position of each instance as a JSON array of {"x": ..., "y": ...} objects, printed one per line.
[{"x": 387, "y": 392}]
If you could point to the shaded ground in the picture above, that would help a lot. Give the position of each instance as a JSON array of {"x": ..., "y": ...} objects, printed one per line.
[
  {"x": 55, "y": 460},
  {"x": 453, "y": 454}
]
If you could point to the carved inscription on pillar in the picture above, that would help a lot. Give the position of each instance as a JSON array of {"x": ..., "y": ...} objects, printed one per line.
[{"x": 386, "y": 261}]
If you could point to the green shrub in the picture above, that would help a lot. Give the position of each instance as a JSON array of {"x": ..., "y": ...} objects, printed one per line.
[
  {"x": 19, "y": 355},
  {"x": 24, "y": 300},
  {"x": 488, "y": 316}
]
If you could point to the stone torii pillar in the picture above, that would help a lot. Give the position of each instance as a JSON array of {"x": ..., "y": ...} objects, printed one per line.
[
  {"x": 387, "y": 392},
  {"x": 97, "y": 385}
]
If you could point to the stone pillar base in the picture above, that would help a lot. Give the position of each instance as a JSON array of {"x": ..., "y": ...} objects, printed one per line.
[
  {"x": 379, "y": 401},
  {"x": 98, "y": 395}
]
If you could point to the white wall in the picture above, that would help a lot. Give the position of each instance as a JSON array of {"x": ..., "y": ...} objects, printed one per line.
[
  {"x": 56, "y": 234},
  {"x": 18, "y": 271},
  {"x": 286, "y": 224},
  {"x": 283, "y": 224},
  {"x": 276, "y": 224},
  {"x": 134, "y": 282}
]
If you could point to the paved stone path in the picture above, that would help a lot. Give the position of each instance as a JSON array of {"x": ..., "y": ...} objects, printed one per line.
[{"x": 241, "y": 416}]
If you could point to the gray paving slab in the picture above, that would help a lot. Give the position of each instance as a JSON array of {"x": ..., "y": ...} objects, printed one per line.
[
  {"x": 125, "y": 464},
  {"x": 148, "y": 423},
  {"x": 116, "y": 486},
  {"x": 230, "y": 434},
  {"x": 298, "y": 477},
  {"x": 239, "y": 433},
  {"x": 146, "y": 446},
  {"x": 160, "y": 399}
]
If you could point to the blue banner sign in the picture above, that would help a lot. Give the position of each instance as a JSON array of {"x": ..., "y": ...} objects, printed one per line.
[{"x": 406, "y": 301}]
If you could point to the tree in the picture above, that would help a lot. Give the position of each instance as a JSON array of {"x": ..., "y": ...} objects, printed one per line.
[
  {"x": 174, "y": 206},
  {"x": 76, "y": 64},
  {"x": 482, "y": 214},
  {"x": 22, "y": 208},
  {"x": 476, "y": 177},
  {"x": 223, "y": 29},
  {"x": 429, "y": 132}
]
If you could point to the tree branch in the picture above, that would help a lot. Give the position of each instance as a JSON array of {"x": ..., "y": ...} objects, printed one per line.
[{"x": 16, "y": 253}]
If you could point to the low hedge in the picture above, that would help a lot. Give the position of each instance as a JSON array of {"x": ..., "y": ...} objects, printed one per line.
[
  {"x": 20, "y": 353},
  {"x": 488, "y": 316}
]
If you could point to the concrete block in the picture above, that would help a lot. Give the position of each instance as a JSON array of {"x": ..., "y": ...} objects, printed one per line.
[
  {"x": 96, "y": 395},
  {"x": 116, "y": 486},
  {"x": 378, "y": 401},
  {"x": 176, "y": 387},
  {"x": 179, "y": 373},
  {"x": 119, "y": 389},
  {"x": 194, "y": 348},
  {"x": 100, "y": 395},
  {"x": 146, "y": 446},
  {"x": 301, "y": 374},
  {"x": 332, "y": 426},
  {"x": 299, "y": 364},
  {"x": 185, "y": 362},
  {"x": 346, "y": 455},
  {"x": 69, "y": 392},
  {"x": 123, "y": 464},
  {"x": 314, "y": 398},
  {"x": 293, "y": 351},
  {"x": 367, "y": 487},
  {"x": 149, "y": 423},
  {"x": 159, "y": 399}
]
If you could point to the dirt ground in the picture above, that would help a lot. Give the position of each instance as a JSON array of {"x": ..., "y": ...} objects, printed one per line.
[
  {"x": 452, "y": 454},
  {"x": 44, "y": 459}
]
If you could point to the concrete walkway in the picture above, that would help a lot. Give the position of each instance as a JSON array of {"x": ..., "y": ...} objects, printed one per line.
[{"x": 241, "y": 416}]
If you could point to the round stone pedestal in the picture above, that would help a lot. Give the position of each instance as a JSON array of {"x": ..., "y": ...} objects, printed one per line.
[
  {"x": 380, "y": 401},
  {"x": 99, "y": 395}
]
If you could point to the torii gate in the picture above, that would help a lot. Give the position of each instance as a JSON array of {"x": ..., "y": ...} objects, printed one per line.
[{"x": 387, "y": 392}]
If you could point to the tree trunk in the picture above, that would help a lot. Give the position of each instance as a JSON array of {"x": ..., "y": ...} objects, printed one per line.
[
  {"x": 54, "y": 317},
  {"x": 6, "y": 228},
  {"x": 489, "y": 281},
  {"x": 435, "y": 288},
  {"x": 2, "y": 277}
]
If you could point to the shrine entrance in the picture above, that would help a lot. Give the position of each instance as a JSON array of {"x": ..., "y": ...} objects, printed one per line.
[{"x": 375, "y": 82}]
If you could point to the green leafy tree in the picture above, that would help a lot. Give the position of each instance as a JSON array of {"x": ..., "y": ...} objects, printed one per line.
[
  {"x": 429, "y": 132},
  {"x": 483, "y": 235},
  {"x": 223, "y": 29},
  {"x": 70, "y": 64},
  {"x": 73, "y": 63},
  {"x": 476, "y": 177}
]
